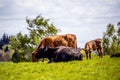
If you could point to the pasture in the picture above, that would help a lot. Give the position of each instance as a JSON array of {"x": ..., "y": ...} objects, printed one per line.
[{"x": 105, "y": 68}]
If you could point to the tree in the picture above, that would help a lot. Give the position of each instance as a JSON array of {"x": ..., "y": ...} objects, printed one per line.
[
  {"x": 38, "y": 29},
  {"x": 118, "y": 33},
  {"x": 111, "y": 40},
  {"x": 4, "y": 40},
  {"x": 20, "y": 44}
]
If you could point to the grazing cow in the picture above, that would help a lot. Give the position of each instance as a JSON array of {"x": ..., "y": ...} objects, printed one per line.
[
  {"x": 59, "y": 54},
  {"x": 92, "y": 45},
  {"x": 115, "y": 55},
  {"x": 55, "y": 41}
]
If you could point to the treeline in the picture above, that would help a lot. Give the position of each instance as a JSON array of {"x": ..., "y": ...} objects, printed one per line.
[
  {"x": 4, "y": 50},
  {"x": 4, "y": 40}
]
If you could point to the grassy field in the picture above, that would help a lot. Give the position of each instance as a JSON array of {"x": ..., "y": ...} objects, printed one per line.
[{"x": 95, "y": 69}]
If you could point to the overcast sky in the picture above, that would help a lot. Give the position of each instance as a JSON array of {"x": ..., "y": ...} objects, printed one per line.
[{"x": 85, "y": 18}]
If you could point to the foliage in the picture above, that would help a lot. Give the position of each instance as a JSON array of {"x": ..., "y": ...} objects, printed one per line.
[
  {"x": 105, "y": 68},
  {"x": 6, "y": 49},
  {"x": 24, "y": 44},
  {"x": 15, "y": 57},
  {"x": 111, "y": 39},
  {"x": 20, "y": 44},
  {"x": 40, "y": 28}
]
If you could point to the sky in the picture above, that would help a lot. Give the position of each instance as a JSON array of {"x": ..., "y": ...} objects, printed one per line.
[{"x": 87, "y": 19}]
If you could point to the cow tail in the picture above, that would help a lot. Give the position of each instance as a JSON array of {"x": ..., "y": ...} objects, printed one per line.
[{"x": 85, "y": 46}]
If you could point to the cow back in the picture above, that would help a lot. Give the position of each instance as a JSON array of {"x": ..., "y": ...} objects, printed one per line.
[{"x": 71, "y": 39}]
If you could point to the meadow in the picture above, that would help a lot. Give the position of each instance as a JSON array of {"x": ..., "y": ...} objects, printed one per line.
[{"x": 105, "y": 68}]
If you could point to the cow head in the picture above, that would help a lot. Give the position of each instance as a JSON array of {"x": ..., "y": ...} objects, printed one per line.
[
  {"x": 41, "y": 53},
  {"x": 33, "y": 57},
  {"x": 98, "y": 42}
]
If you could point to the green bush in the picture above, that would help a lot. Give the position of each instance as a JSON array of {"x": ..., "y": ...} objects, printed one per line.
[{"x": 111, "y": 40}]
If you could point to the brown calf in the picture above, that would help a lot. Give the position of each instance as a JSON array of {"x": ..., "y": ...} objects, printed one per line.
[{"x": 92, "y": 45}]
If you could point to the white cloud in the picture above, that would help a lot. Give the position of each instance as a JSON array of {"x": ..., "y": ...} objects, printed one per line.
[{"x": 1, "y": 3}]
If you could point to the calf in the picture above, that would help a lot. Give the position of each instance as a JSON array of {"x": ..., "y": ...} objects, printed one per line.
[
  {"x": 59, "y": 54},
  {"x": 93, "y": 45}
]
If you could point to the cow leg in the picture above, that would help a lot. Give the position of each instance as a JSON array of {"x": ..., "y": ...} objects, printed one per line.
[
  {"x": 90, "y": 55},
  {"x": 86, "y": 54},
  {"x": 99, "y": 52}
]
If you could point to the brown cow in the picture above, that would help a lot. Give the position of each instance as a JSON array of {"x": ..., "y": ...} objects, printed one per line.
[
  {"x": 92, "y": 45},
  {"x": 55, "y": 41}
]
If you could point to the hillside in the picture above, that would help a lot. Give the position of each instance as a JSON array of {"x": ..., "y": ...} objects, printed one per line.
[{"x": 95, "y": 69}]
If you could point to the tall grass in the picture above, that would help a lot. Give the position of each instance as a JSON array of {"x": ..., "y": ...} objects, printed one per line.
[{"x": 95, "y": 69}]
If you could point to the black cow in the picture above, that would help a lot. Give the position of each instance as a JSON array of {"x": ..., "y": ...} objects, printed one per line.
[
  {"x": 59, "y": 54},
  {"x": 115, "y": 55}
]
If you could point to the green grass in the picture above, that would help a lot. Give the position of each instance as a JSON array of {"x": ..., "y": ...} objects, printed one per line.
[{"x": 95, "y": 69}]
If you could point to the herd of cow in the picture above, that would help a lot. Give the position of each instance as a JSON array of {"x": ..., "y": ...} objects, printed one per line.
[{"x": 64, "y": 48}]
